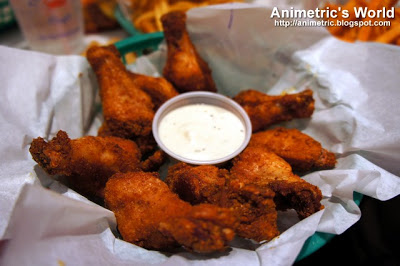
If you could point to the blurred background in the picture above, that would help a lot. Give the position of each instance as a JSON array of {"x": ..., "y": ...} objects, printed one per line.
[{"x": 107, "y": 21}]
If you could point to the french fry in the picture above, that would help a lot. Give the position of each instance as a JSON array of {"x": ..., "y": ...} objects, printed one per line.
[
  {"x": 146, "y": 14},
  {"x": 350, "y": 35},
  {"x": 368, "y": 33},
  {"x": 391, "y": 35},
  {"x": 382, "y": 34},
  {"x": 334, "y": 30},
  {"x": 364, "y": 34},
  {"x": 341, "y": 31}
]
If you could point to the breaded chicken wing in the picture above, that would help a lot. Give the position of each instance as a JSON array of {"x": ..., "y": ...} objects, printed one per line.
[
  {"x": 253, "y": 205},
  {"x": 152, "y": 156},
  {"x": 147, "y": 144},
  {"x": 154, "y": 161},
  {"x": 184, "y": 68},
  {"x": 127, "y": 110},
  {"x": 86, "y": 162},
  {"x": 265, "y": 110},
  {"x": 301, "y": 151},
  {"x": 159, "y": 89},
  {"x": 260, "y": 167},
  {"x": 151, "y": 216},
  {"x": 197, "y": 184}
]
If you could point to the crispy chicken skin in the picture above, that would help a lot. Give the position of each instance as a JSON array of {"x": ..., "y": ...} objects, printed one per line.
[
  {"x": 154, "y": 161},
  {"x": 260, "y": 167},
  {"x": 301, "y": 151},
  {"x": 184, "y": 68},
  {"x": 128, "y": 111},
  {"x": 86, "y": 162},
  {"x": 129, "y": 100},
  {"x": 151, "y": 216},
  {"x": 265, "y": 110},
  {"x": 197, "y": 184},
  {"x": 252, "y": 205},
  {"x": 152, "y": 156},
  {"x": 147, "y": 144},
  {"x": 159, "y": 89}
]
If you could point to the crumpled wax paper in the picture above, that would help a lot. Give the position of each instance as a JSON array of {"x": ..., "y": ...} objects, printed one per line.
[{"x": 357, "y": 116}]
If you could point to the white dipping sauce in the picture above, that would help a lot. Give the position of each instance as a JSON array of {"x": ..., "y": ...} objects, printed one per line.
[{"x": 201, "y": 132}]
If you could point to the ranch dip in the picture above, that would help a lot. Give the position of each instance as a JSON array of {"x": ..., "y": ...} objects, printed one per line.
[{"x": 201, "y": 132}]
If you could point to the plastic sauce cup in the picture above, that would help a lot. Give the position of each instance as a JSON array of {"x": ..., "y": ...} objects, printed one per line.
[
  {"x": 51, "y": 26},
  {"x": 206, "y": 98}
]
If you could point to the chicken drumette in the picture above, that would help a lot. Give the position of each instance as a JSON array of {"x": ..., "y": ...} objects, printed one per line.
[
  {"x": 128, "y": 111},
  {"x": 128, "y": 99},
  {"x": 301, "y": 151},
  {"x": 184, "y": 68},
  {"x": 265, "y": 110}
]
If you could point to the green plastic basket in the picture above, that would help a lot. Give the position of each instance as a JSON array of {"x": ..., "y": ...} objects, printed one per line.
[
  {"x": 7, "y": 17},
  {"x": 141, "y": 42}
]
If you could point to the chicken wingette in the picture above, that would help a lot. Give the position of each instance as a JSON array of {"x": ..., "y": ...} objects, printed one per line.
[{"x": 151, "y": 216}]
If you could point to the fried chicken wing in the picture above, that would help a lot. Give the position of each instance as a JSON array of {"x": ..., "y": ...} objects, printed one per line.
[
  {"x": 198, "y": 184},
  {"x": 151, "y": 216},
  {"x": 147, "y": 144},
  {"x": 159, "y": 89},
  {"x": 152, "y": 156},
  {"x": 301, "y": 151},
  {"x": 154, "y": 161},
  {"x": 86, "y": 162},
  {"x": 265, "y": 110},
  {"x": 127, "y": 110},
  {"x": 184, "y": 68},
  {"x": 260, "y": 167},
  {"x": 252, "y": 205}
]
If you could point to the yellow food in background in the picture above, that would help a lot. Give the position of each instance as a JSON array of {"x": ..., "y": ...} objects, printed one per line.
[
  {"x": 145, "y": 15},
  {"x": 383, "y": 34},
  {"x": 130, "y": 57},
  {"x": 99, "y": 15}
]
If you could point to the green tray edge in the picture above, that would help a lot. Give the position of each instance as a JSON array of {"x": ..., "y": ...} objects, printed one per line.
[
  {"x": 319, "y": 239},
  {"x": 142, "y": 41}
]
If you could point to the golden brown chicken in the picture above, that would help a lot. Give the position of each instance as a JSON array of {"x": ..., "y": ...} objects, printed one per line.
[
  {"x": 159, "y": 89},
  {"x": 147, "y": 144},
  {"x": 98, "y": 15},
  {"x": 197, "y": 184},
  {"x": 128, "y": 99},
  {"x": 260, "y": 167},
  {"x": 151, "y": 216},
  {"x": 301, "y": 151},
  {"x": 127, "y": 110},
  {"x": 265, "y": 110},
  {"x": 253, "y": 205},
  {"x": 184, "y": 68},
  {"x": 86, "y": 162},
  {"x": 152, "y": 156}
]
